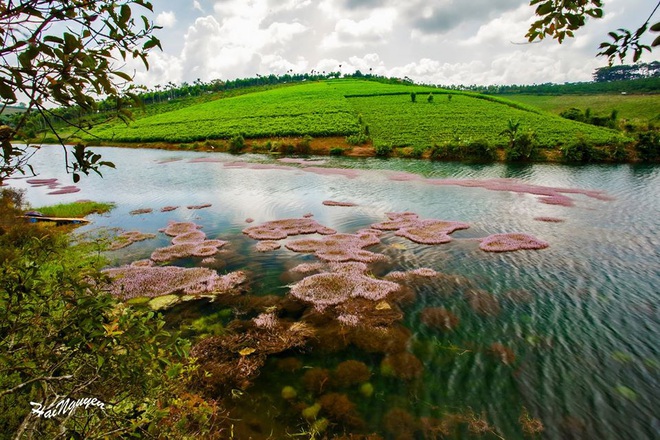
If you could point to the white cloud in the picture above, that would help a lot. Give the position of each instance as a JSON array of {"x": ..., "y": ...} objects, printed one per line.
[
  {"x": 197, "y": 6},
  {"x": 373, "y": 29},
  {"x": 166, "y": 19}
]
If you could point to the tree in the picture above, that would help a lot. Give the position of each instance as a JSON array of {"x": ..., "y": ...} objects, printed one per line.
[
  {"x": 560, "y": 19},
  {"x": 68, "y": 53}
]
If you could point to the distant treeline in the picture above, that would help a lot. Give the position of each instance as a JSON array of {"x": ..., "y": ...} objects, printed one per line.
[{"x": 636, "y": 86}]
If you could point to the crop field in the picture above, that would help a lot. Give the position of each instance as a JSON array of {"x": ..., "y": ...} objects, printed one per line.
[
  {"x": 397, "y": 121},
  {"x": 334, "y": 108},
  {"x": 311, "y": 109},
  {"x": 636, "y": 108}
]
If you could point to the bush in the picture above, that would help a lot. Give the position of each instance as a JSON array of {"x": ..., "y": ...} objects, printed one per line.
[
  {"x": 413, "y": 97},
  {"x": 304, "y": 146},
  {"x": 430, "y": 98},
  {"x": 236, "y": 144},
  {"x": 357, "y": 139},
  {"x": 522, "y": 148},
  {"x": 479, "y": 151},
  {"x": 648, "y": 146},
  {"x": 383, "y": 150},
  {"x": 579, "y": 150},
  {"x": 336, "y": 151}
]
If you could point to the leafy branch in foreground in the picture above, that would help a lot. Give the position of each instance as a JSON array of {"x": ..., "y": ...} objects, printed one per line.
[
  {"x": 560, "y": 19},
  {"x": 68, "y": 53}
]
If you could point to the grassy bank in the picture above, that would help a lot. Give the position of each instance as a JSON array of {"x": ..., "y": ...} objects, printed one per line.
[{"x": 75, "y": 209}]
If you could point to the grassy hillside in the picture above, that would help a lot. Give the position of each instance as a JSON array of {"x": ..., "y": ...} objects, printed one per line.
[
  {"x": 345, "y": 107},
  {"x": 635, "y": 108}
]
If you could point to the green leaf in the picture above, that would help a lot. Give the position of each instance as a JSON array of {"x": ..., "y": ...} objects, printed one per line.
[
  {"x": 153, "y": 42},
  {"x": 6, "y": 92},
  {"x": 125, "y": 14},
  {"x": 656, "y": 42},
  {"x": 545, "y": 8}
]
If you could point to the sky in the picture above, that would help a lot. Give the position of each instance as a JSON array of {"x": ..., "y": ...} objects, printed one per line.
[{"x": 441, "y": 42}]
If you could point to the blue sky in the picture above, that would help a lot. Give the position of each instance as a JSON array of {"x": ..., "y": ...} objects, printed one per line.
[{"x": 437, "y": 41}]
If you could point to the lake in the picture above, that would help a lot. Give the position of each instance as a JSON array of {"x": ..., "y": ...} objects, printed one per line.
[{"x": 569, "y": 334}]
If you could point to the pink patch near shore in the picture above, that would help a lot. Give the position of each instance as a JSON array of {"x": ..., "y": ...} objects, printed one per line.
[
  {"x": 334, "y": 203},
  {"x": 267, "y": 246},
  {"x": 205, "y": 160},
  {"x": 141, "y": 211},
  {"x": 280, "y": 229},
  {"x": 340, "y": 247},
  {"x": 302, "y": 162},
  {"x": 549, "y": 195},
  {"x": 168, "y": 208},
  {"x": 188, "y": 241},
  {"x": 349, "y": 173},
  {"x": 511, "y": 242},
  {"x": 202, "y": 206}
]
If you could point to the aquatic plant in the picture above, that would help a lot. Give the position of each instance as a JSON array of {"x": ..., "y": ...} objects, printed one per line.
[
  {"x": 308, "y": 268},
  {"x": 202, "y": 206},
  {"x": 350, "y": 372},
  {"x": 289, "y": 364},
  {"x": 128, "y": 238},
  {"x": 393, "y": 339},
  {"x": 349, "y": 319},
  {"x": 316, "y": 380},
  {"x": 339, "y": 408},
  {"x": 557, "y": 199},
  {"x": 195, "y": 236},
  {"x": 530, "y": 425},
  {"x": 367, "y": 389},
  {"x": 400, "y": 424},
  {"x": 64, "y": 190},
  {"x": 511, "y": 242},
  {"x": 177, "y": 228},
  {"x": 280, "y": 229},
  {"x": 335, "y": 203},
  {"x": 249, "y": 220},
  {"x": 266, "y": 321},
  {"x": 340, "y": 247},
  {"x": 482, "y": 302},
  {"x": 549, "y": 219},
  {"x": 267, "y": 246},
  {"x": 197, "y": 249},
  {"x": 289, "y": 393},
  {"x": 132, "y": 281},
  {"x": 503, "y": 353},
  {"x": 141, "y": 211},
  {"x": 402, "y": 365},
  {"x": 168, "y": 208},
  {"x": 311, "y": 412},
  {"x": 410, "y": 226},
  {"x": 439, "y": 318}
]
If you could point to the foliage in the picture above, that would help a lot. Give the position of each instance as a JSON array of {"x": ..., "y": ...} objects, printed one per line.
[
  {"x": 62, "y": 337},
  {"x": 70, "y": 69},
  {"x": 523, "y": 148},
  {"x": 580, "y": 150},
  {"x": 357, "y": 139},
  {"x": 236, "y": 144},
  {"x": 75, "y": 209},
  {"x": 304, "y": 145},
  {"x": 336, "y": 151},
  {"x": 648, "y": 146},
  {"x": 561, "y": 19},
  {"x": 383, "y": 150},
  {"x": 429, "y": 99},
  {"x": 413, "y": 97}
]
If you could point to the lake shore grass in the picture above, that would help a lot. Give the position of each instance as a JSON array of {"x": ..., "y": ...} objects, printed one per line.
[{"x": 75, "y": 209}]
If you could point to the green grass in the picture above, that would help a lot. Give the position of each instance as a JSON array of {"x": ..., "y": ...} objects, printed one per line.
[
  {"x": 75, "y": 209},
  {"x": 336, "y": 107},
  {"x": 636, "y": 108}
]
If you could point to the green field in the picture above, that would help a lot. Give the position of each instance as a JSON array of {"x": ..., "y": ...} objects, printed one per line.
[
  {"x": 345, "y": 107},
  {"x": 635, "y": 108}
]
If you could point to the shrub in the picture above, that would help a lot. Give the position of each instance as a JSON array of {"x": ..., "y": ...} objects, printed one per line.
[
  {"x": 574, "y": 114},
  {"x": 304, "y": 146},
  {"x": 413, "y": 97},
  {"x": 236, "y": 144},
  {"x": 336, "y": 151},
  {"x": 579, "y": 150},
  {"x": 383, "y": 150},
  {"x": 357, "y": 139},
  {"x": 648, "y": 145},
  {"x": 523, "y": 147},
  {"x": 479, "y": 151},
  {"x": 430, "y": 98}
]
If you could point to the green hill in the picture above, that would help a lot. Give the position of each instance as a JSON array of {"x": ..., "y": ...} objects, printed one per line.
[{"x": 346, "y": 107}]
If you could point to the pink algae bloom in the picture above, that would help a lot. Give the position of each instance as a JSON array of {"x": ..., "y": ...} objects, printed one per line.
[
  {"x": 128, "y": 238},
  {"x": 205, "y": 248},
  {"x": 511, "y": 242},
  {"x": 348, "y": 281},
  {"x": 549, "y": 219},
  {"x": 195, "y": 236},
  {"x": 410, "y": 226},
  {"x": 177, "y": 228},
  {"x": 168, "y": 208},
  {"x": 335, "y": 203},
  {"x": 339, "y": 247},
  {"x": 204, "y": 205},
  {"x": 280, "y": 229},
  {"x": 266, "y": 321},
  {"x": 349, "y": 319},
  {"x": 308, "y": 268},
  {"x": 64, "y": 190},
  {"x": 136, "y": 281},
  {"x": 557, "y": 199},
  {"x": 249, "y": 220},
  {"x": 267, "y": 245}
]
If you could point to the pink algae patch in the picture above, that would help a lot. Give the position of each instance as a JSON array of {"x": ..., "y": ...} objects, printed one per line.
[
  {"x": 267, "y": 245},
  {"x": 141, "y": 211},
  {"x": 205, "y": 159},
  {"x": 345, "y": 282},
  {"x": 195, "y": 236},
  {"x": 410, "y": 226},
  {"x": 168, "y": 208},
  {"x": 511, "y": 242},
  {"x": 349, "y": 173},
  {"x": 549, "y": 219},
  {"x": 128, "y": 238},
  {"x": 302, "y": 162},
  {"x": 280, "y": 229},
  {"x": 177, "y": 228},
  {"x": 249, "y": 220},
  {"x": 136, "y": 281},
  {"x": 335, "y": 203},
  {"x": 202, "y": 206},
  {"x": 188, "y": 241},
  {"x": 549, "y": 195},
  {"x": 340, "y": 247}
]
